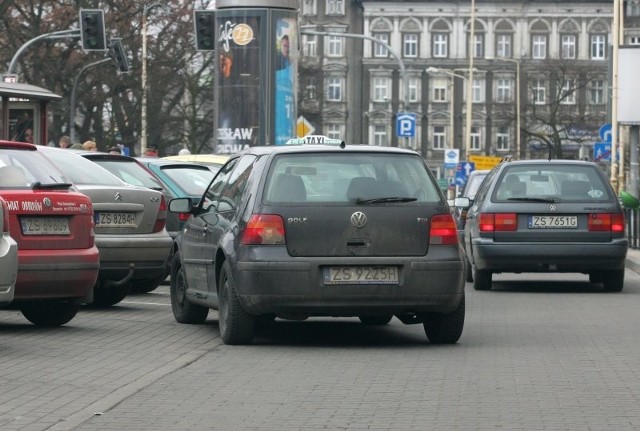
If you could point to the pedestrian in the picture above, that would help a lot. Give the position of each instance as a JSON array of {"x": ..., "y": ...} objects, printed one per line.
[
  {"x": 90, "y": 146},
  {"x": 152, "y": 151},
  {"x": 76, "y": 146},
  {"x": 64, "y": 142}
]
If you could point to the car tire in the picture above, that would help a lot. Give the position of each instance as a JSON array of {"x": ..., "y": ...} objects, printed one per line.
[
  {"x": 445, "y": 328},
  {"x": 481, "y": 279},
  {"x": 183, "y": 310},
  {"x": 147, "y": 285},
  {"x": 378, "y": 320},
  {"x": 596, "y": 277},
  {"x": 236, "y": 325},
  {"x": 467, "y": 270},
  {"x": 614, "y": 281},
  {"x": 49, "y": 313},
  {"x": 107, "y": 296}
]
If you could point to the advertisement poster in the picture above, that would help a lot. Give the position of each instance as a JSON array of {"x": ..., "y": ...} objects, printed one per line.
[
  {"x": 285, "y": 77},
  {"x": 239, "y": 82}
]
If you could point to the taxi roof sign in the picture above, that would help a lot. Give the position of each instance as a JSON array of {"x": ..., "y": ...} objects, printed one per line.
[{"x": 315, "y": 139}]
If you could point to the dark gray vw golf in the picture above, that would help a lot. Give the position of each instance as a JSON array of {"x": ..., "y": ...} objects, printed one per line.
[{"x": 300, "y": 230}]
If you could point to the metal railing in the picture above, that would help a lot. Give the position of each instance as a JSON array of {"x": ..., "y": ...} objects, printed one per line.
[{"x": 632, "y": 218}]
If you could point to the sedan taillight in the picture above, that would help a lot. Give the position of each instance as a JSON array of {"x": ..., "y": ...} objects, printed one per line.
[
  {"x": 443, "y": 230},
  {"x": 606, "y": 223},
  {"x": 263, "y": 229},
  {"x": 162, "y": 215},
  {"x": 5, "y": 218},
  {"x": 500, "y": 222}
]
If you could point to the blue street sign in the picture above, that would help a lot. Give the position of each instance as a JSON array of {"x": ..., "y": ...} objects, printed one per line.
[
  {"x": 406, "y": 125},
  {"x": 602, "y": 151},
  {"x": 605, "y": 132},
  {"x": 463, "y": 171}
]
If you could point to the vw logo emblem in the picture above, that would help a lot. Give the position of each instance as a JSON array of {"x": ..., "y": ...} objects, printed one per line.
[
  {"x": 359, "y": 219},
  {"x": 46, "y": 202},
  {"x": 552, "y": 207},
  {"x": 118, "y": 197}
]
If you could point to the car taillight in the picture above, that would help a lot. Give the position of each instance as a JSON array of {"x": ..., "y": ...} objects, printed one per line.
[
  {"x": 162, "y": 215},
  {"x": 265, "y": 229},
  {"x": 443, "y": 230},
  {"x": 184, "y": 216},
  {"x": 606, "y": 223},
  {"x": 501, "y": 222},
  {"x": 5, "y": 218}
]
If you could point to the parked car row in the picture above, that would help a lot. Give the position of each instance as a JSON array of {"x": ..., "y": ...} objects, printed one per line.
[{"x": 74, "y": 233}]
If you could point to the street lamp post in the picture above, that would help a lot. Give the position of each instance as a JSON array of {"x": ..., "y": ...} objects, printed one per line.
[
  {"x": 143, "y": 108},
  {"x": 470, "y": 80},
  {"x": 517, "y": 62}
]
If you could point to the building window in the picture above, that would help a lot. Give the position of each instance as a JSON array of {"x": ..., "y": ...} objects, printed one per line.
[
  {"x": 310, "y": 46},
  {"x": 503, "y": 93},
  {"x": 378, "y": 49},
  {"x": 410, "y": 45},
  {"x": 440, "y": 42},
  {"x": 503, "y": 45},
  {"x": 598, "y": 46},
  {"x": 334, "y": 89},
  {"x": 334, "y": 131},
  {"x": 634, "y": 40},
  {"x": 380, "y": 135},
  {"x": 478, "y": 45},
  {"x": 439, "y": 92},
  {"x": 309, "y": 7},
  {"x": 538, "y": 91},
  {"x": 335, "y": 46},
  {"x": 477, "y": 91},
  {"x": 414, "y": 90},
  {"x": 439, "y": 137},
  {"x": 310, "y": 91},
  {"x": 380, "y": 89},
  {"x": 568, "y": 48},
  {"x": 335, "y": 7},
  {"x": 539, "y": 47},
  {"x": 568, "y": 92},
  {"x": 475, "y": 138},
  {"x": 597, "y": 92},
  {"x": 502, "y": 138}
]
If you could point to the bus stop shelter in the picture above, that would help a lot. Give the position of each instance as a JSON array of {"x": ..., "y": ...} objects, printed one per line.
[{"x": 23, "y": 113}]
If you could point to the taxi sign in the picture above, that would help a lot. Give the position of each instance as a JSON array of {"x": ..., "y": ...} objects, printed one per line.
[{"x": 315, "y": 139}]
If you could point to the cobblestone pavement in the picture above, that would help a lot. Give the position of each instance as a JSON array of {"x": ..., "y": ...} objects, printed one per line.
[{"x": 539, "y": 352}]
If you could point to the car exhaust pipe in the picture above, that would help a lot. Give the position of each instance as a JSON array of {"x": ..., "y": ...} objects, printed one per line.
[{"x": 125, "y": 280}]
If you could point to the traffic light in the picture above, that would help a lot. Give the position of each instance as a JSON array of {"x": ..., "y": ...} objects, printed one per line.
[
  {"x": 92, "y": 30},
  {"x": 116, "y": 51},
  {"x": 204, "y": 22}
]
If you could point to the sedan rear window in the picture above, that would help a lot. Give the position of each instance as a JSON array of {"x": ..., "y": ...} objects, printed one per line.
[
  {"x": 555, "y": 182},
  {"x": 347, "y": 177}
]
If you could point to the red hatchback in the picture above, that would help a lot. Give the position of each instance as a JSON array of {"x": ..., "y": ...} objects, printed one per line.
[{"x": 53, "y": 225}]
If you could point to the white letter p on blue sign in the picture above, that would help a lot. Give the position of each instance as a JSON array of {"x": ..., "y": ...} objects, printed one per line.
[{"x": 406, "y": 125}]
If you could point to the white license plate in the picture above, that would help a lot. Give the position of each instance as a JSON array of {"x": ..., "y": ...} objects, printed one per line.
[
  {"x": 45, "y": 225},
  {"x": 115, "y": 219},
  {"x": 553, "y": 222},
  {"x": 361, "y": 275}
]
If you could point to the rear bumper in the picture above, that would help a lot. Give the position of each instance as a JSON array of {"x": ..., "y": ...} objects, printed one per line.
[
  {"x": 46, "y": 274},
  {"x": 8, "y": 268},
  {"x": 549, "y": 257},
  {"x": 298, "y": 287},
  {"x": 147, "y": 253}
]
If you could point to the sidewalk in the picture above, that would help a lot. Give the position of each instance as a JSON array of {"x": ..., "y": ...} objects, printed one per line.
[{"x": 633, "y": 259}]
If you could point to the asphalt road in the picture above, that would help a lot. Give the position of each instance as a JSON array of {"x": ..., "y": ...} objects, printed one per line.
[{"x": 539, "y": 352}]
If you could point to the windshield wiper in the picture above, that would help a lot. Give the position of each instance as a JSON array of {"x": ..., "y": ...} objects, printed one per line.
[
  {"x": 384, "y": 200},
  {"x": 39, "y": 186},
  {"x": 529, "y": 199}
]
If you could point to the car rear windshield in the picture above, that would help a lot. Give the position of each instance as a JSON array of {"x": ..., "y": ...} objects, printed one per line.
[
  {"x": 129, "y": 171},
  {"x": 347, "y": 177},
  {"x": 81, "y": 170},
  {"x": 20, "y": 169},
  {"x": 557, "y": 182},
  {"x": 193, "y": 181}
]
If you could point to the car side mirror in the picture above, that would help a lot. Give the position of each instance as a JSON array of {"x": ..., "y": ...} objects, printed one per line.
[
  {"x": 180, "y": 205},
  {"x": 462, "y": 202}
]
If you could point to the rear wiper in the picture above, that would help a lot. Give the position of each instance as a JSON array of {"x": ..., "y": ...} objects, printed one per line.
[
  {"x": 529, "y": 199},
  {"x": 39, "y": 186},
  {"x": 383, "y": 200}
]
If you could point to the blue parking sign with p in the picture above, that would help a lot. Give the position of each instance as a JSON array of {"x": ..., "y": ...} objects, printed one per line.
[{"x": 406, "y": 125}]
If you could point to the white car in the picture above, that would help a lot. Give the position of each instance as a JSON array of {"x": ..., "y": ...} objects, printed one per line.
[{"x": 8, "y": 257}]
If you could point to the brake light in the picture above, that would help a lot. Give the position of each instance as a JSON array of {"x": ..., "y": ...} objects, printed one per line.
[
  {"x": 443, "y": 230},
  {"x": 501, "y": 222},
  {"x": 606, "y": 223},
  {"x": 263, "y": 229},
  {"x": 162, "y": 215},
  {"x": 5, "y": 217},
  {"x": 184, "y": 216}
]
